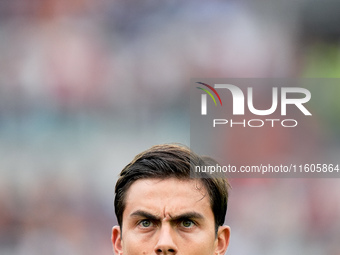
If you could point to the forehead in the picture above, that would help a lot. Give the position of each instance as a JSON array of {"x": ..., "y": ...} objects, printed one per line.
[{"x": 170, "y": 196}]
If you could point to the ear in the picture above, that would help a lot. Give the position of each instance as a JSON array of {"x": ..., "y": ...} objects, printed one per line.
[
  {"x": 223, "y": 236},
  {"x": 117, "y": 240}
]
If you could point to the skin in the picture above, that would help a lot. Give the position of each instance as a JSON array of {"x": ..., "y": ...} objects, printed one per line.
[{"x": 169, "y": 216}]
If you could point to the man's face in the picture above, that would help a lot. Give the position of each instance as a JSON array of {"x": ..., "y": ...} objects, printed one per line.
[{"x": 169, "y": 216}]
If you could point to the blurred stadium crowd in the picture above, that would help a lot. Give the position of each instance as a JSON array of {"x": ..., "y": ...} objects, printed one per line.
[{"x": 85, "y": 85}]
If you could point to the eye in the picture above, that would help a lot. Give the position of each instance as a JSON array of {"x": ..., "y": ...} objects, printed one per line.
[
  {"x": 145, "y": 223},
  {"x": 187, "y": 223}
]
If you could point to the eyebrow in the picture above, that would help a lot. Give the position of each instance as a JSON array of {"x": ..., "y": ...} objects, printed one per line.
[
  {"x": 188, "y": 215},
  {"x": 140, "y": 213}
]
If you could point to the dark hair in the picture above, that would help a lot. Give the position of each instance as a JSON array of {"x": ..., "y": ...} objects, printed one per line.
[{"x": 172, "y": 161}]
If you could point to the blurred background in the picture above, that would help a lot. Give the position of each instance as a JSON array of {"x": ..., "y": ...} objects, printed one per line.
[{"x": 87, "y": 84}]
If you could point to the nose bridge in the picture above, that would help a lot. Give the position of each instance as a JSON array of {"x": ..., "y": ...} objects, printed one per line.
[{"x": 166, "y": 240}]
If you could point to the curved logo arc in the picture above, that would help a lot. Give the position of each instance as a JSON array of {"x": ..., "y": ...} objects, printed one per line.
[{"x": 208, "y": 92}]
